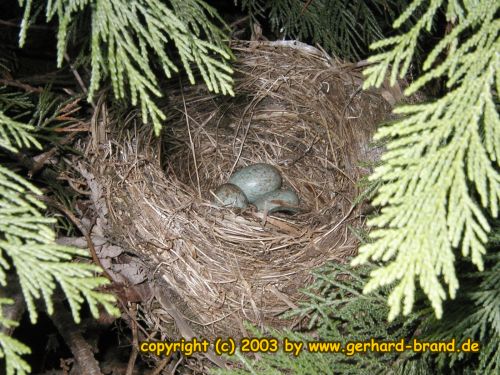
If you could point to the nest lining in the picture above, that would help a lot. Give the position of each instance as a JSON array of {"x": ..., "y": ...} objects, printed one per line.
[{"x": 294, "y": 108}]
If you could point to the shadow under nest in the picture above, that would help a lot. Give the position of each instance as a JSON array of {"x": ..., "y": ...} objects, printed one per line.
[{"x": 294, "y": 108}]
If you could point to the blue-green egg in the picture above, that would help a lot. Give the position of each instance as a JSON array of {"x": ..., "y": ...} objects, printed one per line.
[
  {"x": 256, "y": 180},
  {"x": 278, "y": 201},
  {"x": 229, "y": 195}
]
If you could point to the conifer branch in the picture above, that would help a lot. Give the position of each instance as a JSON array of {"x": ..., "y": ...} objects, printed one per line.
[
  {"x": 129, "y": 37},
  {"x": 27, "y": 242},
  {"x": 344, "y": 28},
  {"x": 11, "y": 349},
  {"x": 439, "y": 175}
]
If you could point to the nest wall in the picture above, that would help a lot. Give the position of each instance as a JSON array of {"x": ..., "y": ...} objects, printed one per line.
[{"x": 295, "y": 108}]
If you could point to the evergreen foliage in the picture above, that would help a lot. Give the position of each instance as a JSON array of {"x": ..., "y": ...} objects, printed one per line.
[
  {"x": 15, "y": 134},
  {"x": 476, "y": 315},
  {"x": 439, "y": 175},
  {"x": 437, "y": 185},
  {"x": 338, "y": 312},
  {"x": 129, "y": 37},
  {"x": 128, "y": 42},
  {"x": 11, "y": 349},
  {"x": 344, "y": 28},
  {"x": 27, "y": 243}
]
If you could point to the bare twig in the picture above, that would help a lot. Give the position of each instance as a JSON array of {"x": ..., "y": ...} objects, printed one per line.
[
  {"x": 191, "y": 141},
  {"x": 42, "y": 159},
  {"x": 80, "y": 348},
  {"x": 185, "y": 330},
  {"x": 159, "y": 368},
  {"x": 18, "y": 25},
  {"x": 77, "y": 77},
  {"x": 306, "y": 5},
  {"x": 80, "y": 227},
  {"x": 135, "y": 341},
  {"x": 20, "y": 85},
  {"x": 239, "y": 22}
]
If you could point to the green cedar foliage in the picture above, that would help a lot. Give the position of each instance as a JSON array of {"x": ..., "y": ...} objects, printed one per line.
[
  {"x": 338, "y": 312},
  {"x": 439, "y": 176},
  {"x": 27, "y": 242},
  {"x": 129, "y": 37},
  {"x": 344, "y": 28},
  {"x": 11, "y": 349},
  {"x": 475, "y": 314}
]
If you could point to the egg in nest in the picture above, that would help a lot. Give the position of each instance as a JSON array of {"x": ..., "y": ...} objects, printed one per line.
[
  {"x": 278, "y": 201},
  {"x": 256, "y": 180},
  {"x": 230, "y": 195}
]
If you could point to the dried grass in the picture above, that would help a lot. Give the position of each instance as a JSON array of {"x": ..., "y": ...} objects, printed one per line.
[{"x": 295, "y": 108}]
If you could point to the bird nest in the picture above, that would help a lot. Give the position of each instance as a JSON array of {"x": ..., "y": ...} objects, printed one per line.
[{"x": 294, "y": 108}]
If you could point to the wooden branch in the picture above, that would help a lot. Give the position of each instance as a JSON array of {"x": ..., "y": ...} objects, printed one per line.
[
  {"x": 82, "y": 351},
  {"x": 135, "y": 340},
  {"x": 81, "y": 228},
  {"x": 20, "y": 85}
]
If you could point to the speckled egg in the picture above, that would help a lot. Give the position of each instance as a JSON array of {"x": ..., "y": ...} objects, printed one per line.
[
  {"x": 278, "y": 201},
  {"x": 256, "y": 180},
  {"x": 229, "y": 195}
]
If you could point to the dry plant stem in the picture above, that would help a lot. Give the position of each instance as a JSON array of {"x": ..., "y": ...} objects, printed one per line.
[
  {"x": 341, "y": 221},
  {"x": 241, "y": 148},
  {"x": 17, "y": 24},
  {"x": 135, "y": 340},
  {"x": 239, "y": 22},
  {"x": 123, "y": 307},
  {"x": 306, "y": 5},
  {"x": 191, "y": 141},
  {"x": 80, "y": 348},
  {"x": 186, "y": 331},
  {"x": 77, "y": 76},
  {"x": 34, "y": 168},
  {"x": 81, "y": 228},
  {"x": 159, "y": 368},
  {"x": 20, "y": 85},
  {"x": 174, "y": 367},
  {"x": 99, "y": 121},
  {"x": 38, "y": 165}
]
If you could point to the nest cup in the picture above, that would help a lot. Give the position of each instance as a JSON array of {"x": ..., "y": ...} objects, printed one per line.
[{"x": 294, "y": 108}]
